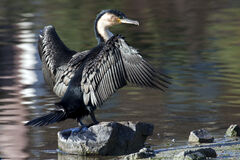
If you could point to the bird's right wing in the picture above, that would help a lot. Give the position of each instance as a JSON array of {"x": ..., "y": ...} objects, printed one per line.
[{"x": 53, "y": 53}]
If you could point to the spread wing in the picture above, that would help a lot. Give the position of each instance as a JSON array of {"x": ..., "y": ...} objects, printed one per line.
[
  {"x": 53, "y": 53},
  {"x": 103, "y": 75},
  {"x": 114, "y": 66},
  {"x": 140, "y": 72}
]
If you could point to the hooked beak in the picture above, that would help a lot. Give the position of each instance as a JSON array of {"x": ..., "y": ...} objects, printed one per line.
[{"x": 129, "y": 21}]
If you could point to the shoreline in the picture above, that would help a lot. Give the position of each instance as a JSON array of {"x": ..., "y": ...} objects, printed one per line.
[{"x": 227, "y": 147}]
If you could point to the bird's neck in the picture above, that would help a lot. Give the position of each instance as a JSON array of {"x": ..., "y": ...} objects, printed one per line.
[{"x": 102, "y": 32}]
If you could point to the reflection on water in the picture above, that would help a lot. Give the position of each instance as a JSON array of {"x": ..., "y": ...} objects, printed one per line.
[{"x": 195, "y": 42}]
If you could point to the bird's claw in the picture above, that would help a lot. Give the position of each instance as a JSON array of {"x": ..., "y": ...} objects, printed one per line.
[
  {"x": 80, "y": 129},
  {"x": 83, "y": 129}
]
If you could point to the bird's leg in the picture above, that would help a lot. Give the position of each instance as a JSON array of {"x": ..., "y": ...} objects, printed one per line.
[
  {"x": 93, "y": 119},
  {"x": 82, "y": 126}
]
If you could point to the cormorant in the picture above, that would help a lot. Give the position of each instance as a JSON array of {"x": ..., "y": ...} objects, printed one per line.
[{"x": 86, "y": 79}]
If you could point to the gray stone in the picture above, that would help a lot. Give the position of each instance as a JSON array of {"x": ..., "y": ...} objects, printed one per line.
[
  {"x": 200, "y": 136},
  {"x": 186, "y": 156},
  {"x": 195, "y": 156},
  {"x": 233, "y": 131},
  {"x": 199, "y": 154},
  {"x": 143, "y": 153},
  {"x": 106, "y": 138}
]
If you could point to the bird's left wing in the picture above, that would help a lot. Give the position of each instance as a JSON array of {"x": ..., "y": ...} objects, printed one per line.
[
  {"x": 111, "y": 68},
  {"x": 139, "y": 72},
  {"x": 103, "y": 74}
]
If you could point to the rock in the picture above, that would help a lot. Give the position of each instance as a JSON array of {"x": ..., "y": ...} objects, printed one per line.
[
  {"x": 186, "y": 156},
  {"x": 200, "y": 136},
  {"x": 143, "y": 153},
  {"x": 195, "y": 156},
  {"x": 199, "y": 154},
  {"x": 106, "y": 138},
  {"x": 233, "y": 131}
]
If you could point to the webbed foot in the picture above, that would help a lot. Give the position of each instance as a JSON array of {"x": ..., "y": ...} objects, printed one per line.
[{"x": 80, "y": 129}]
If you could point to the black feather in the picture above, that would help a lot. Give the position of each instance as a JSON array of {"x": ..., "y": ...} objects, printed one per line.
[{"x": 50, "y": 118}]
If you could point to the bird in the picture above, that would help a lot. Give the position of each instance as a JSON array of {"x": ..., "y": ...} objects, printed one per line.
[{"x": 85, "y": 80}]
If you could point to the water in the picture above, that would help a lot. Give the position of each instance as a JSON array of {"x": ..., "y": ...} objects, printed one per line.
[{"x": 195, "y": 42}]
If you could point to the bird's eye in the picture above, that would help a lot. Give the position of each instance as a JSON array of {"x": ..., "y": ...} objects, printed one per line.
[{"x": 113, "y": 18}]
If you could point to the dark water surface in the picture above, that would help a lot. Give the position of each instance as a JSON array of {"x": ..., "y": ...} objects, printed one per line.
[{"x": 195, "y": 42}]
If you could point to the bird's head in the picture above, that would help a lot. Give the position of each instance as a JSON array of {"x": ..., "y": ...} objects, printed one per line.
[
  {"x": 108, "y": 18},
  {"x": 112, "y": 17}
]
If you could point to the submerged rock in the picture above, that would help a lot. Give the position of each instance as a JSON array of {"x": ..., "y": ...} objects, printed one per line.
[
  {"x": 199, "y": 154},
  {"x": 105, "y": 138},
  {"x": 233, "y": 131},
  {"x": 200, "y": 136}
]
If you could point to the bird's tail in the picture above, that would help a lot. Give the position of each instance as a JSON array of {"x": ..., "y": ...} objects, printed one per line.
[{"x": 55, "y": 116}]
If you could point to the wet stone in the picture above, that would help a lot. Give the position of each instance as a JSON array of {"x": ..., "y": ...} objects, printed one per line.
[
  {"x": 199, "y": 154},
  {"x": 233, "y": 131},
  {"x": 105, "y": 138},
  {"x": 200, "y": 136},
  {"x": 143, "y": 153},
  {"x": 192, "y": 156}
]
